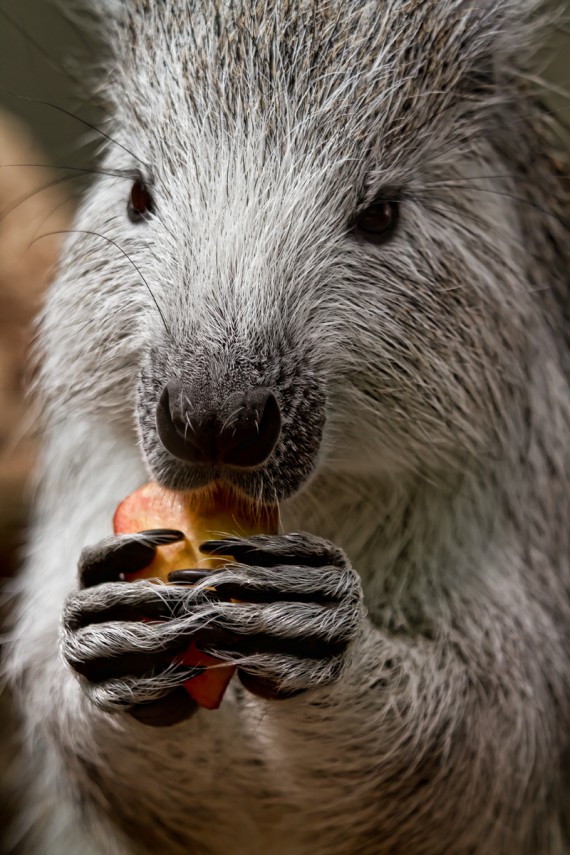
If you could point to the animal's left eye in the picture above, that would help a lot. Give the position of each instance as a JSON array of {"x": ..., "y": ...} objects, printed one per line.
[
  {"x": 141, "y": 204},
  {"x": 378, "y": 222}
]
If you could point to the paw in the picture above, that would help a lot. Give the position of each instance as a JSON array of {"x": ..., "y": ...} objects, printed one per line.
[
  {"x": 122, "y": 638},
  {"x": 284, "y": 613}
]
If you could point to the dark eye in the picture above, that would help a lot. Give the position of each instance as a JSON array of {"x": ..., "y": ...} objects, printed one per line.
[
  {"x": 378, "y": 222},
  {"x": 141, "y": 205}
]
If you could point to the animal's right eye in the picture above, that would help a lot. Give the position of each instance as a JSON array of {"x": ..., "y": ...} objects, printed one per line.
[
  {"x": 379, "y": 221},
  {"x": 141, "y": 205}
]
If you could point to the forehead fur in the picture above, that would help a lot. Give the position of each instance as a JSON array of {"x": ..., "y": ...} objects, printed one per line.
[
  {"x": 332, "y": 32},
  {"x": 397, "y": 65},
  {"x": 255, "y": 48}
]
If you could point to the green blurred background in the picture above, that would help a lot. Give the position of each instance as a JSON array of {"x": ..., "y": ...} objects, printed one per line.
[{"x": 43, "y": 56}]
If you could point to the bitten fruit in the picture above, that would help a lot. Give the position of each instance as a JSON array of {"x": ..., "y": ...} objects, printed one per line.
[{"x": 201, "y": 516}]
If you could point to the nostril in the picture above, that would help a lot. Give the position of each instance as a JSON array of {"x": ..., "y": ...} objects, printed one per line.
[
  {"x": 181, "y": 425},
  {"x": 175, "y": 429},
  {"x": 270, "y": 422},
  {"x": 242, "y": 433},
  {"x": 250, "y": 440}
]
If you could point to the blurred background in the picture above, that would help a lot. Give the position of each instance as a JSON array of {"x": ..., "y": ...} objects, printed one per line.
[
  {"x": 43, "y": 57},
  {"x": 45, "y": 98}
]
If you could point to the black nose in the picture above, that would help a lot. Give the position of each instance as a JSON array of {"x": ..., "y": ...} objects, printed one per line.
[{"x": 243, "y": 431}]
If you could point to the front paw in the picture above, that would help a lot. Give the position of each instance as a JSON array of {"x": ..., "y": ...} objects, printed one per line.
[
  {"x": 284, "y": 613},
  {"x": 122, "y": 638}
]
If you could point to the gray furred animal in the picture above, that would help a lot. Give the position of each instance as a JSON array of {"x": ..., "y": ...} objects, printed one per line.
[{"x": 326, "y": 261}]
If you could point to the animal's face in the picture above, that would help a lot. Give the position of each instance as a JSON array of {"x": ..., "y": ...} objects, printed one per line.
[{"x": 312, "y": 203}]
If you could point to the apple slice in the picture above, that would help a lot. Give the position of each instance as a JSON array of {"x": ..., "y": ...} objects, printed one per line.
[{"x": 201, "y": 515}]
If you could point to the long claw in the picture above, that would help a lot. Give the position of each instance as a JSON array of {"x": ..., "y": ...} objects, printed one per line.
[
  {"x": 139, "y": 603},
  {"x": 135, "y": 665},
  {"x": 122, "y": 554},
  {"x": 162, "y": 536},
  {"x": 218, "y": 642},
  {"x": 248, "y": 593},
  {"x": 188, "y": 577},
  {"x": 245, "y": 553},
  {"x": 269, "y": 551}
]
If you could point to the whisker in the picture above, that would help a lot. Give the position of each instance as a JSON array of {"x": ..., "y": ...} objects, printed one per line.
[
  {"x": 113, "y": 173},
  {"x": 120, "y": 248},
  {"x": 21, "y": 200},
  {"x": 520, "y": 199},
  {"x": 227, "y": 423},
  {"x": 73, "y": 115},
  {"x": 79, "y": 173},
  {"x": 69, "y": 199},
  {"x": 478, "y": 221}
]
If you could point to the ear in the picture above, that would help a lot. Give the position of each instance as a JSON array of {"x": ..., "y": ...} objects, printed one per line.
[
  {"x": 518, "y": 8},
  {"x": 511, "y": 26},
  {"x": 103, "y": 19},
  {"x": 504, "y": 36},
  {"x": 105, "y": 7},
  {"x": 98, "y": 11}
]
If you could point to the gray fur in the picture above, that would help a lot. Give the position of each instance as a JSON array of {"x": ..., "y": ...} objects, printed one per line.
[{"x": 426, "y": 431}]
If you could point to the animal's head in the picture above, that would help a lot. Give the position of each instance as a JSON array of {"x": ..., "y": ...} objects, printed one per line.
[{"x": 308, "y": 248}]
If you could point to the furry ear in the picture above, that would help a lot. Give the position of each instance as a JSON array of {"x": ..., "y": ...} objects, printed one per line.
[
  {"x": 100, "y": 17},
  {"x": 513, "y": 23},
  {"x": 105, "y": 7},
  {"x": 504, "y": 35},
  {"x": 100, "y": 11},
  {"x": 502, "y": 7}
]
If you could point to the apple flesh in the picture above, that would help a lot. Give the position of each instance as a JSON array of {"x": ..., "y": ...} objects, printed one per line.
[{"x": 201, "y": 516}]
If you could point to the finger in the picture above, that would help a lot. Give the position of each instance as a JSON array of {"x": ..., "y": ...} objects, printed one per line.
[
  {"x": 108, "y": 559},
  {"x": 289, "y": 583},
  {"x": 229, "y": 646},
  {"x": 282, "y": 676},
  {"x": 101, "y": 669},
  {"x": 173, "y": 708},
  {"x": 123, "y": 693},
  {"x": 114, "y": 602},
  {"x": 248, "y": 593},
  {"x": 294, "y": 621},
  {"x": 288, "y": 549}
]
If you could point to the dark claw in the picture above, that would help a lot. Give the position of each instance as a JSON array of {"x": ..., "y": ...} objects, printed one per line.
[
  {"x": 221, "y": 547},
  {"x": 266, "y": 689},
  {"x": 122, "y": 554},
  {"x": 188, "y": 577},
  {"x": 215, "y": 641},
  {"x": 163, "y": 536},
  {"x": 135, "y": 665},
  {"x": 243, "y": 552},
  {"x": 256, "y": 556},
  {"x": 211, "y": 638},
  {"x": 172, "y": 709},
  {"x": 192, "y": 577}
]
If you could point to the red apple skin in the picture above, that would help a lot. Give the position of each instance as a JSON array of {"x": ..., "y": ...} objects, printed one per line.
[{"x": 202, "y": 516}]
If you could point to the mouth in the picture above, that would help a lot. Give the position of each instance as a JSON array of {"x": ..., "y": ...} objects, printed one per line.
[{"x": 217, "y": 497}]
